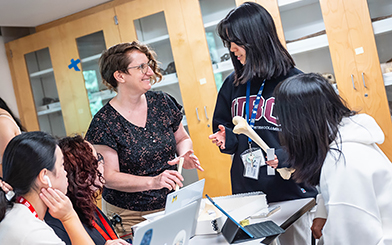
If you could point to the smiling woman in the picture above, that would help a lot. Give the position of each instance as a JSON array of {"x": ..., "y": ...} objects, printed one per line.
[{"x": 139, "y": 132}]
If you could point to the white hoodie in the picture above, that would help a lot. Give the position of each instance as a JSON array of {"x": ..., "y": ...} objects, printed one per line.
[{"x": 357, "y": 188}]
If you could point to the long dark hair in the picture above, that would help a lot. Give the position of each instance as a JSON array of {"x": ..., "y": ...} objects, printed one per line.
[
  {"x": 24, "y": 158},
  {"x": 252, "y": 27},
  {"x": 82, "y": 169},
  {"x": 4, "y": 106},
  {"x": 309, "y": 111}
]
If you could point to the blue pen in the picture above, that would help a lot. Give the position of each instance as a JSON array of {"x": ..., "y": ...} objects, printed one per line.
[{"x": 228, "y": 216}]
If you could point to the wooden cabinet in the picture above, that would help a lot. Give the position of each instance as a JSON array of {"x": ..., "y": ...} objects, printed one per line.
[
  {"x": 343, "y": 39},
  {"x": 51, "y": 65},
  {"x": 325, "y": 36},
  {"x": 351, "y": 37},
  {"x": 174, "y": 29},
  {"x": 35, "y": 65}
]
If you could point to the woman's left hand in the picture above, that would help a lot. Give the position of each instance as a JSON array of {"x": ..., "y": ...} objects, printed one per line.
[
  {"x": 273, "y": 163},
  {"x": 190, "y": 161}
]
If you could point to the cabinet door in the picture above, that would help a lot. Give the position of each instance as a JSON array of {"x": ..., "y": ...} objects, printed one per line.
[
  {"x": 83, "y": 41},
  {"x": 174, "y": 29},
  {"x": 212, "y": 13},
  {"x": 305, "y": 36},
  {"x": 355, "y": 57},
  {"x": 34, "y": 63}
]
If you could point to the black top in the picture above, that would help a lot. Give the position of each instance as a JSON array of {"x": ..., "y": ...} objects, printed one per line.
[
  {"x": 142, "y": 151},
  {"x": 60, "y": 231},
  {"x": 231, "y": 102}
]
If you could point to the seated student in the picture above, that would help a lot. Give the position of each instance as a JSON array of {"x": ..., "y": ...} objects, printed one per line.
[
  {"x": 331, "y": 146},
  {"x": 85, "y": 181},
  {"x": 33, "y": 168}
]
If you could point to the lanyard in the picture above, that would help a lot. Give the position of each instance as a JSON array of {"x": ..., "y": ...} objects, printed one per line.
[
  {"x": 109, "y": 229},
  {"x": 252, "y": 117},
  {"x": 23, "y": 201}
]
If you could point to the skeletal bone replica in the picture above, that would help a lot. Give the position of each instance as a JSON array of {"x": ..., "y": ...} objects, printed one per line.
[{"x": 242, "y": 127}]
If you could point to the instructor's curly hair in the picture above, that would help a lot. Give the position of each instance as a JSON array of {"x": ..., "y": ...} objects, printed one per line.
[{"x": 82, "y": 169}]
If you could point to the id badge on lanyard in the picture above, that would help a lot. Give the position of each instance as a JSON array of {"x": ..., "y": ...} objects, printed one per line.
[{"x": 253, "y": 160}]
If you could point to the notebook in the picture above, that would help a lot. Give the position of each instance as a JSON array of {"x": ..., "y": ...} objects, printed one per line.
[
  {"x": 234, "y": 231},
  {"x": 172, "y": 228}
]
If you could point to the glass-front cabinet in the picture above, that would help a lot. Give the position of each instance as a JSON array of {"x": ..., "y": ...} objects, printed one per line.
[
  {"x": 174, "y": 30},
  {"x": 381, "y": 17},
  {"x": 35, "y": 65},
  {"x": 84, "y": 40},
  {"x": 306, "y": 38},
  {"x": 46, "y": 98},
  {"x": 58, "y": 86},
  {"x": 152, "y": 30},
  {"x": 213, "y": 12}
]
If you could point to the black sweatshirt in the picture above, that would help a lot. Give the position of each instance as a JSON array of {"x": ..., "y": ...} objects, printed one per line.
[{"x": 231, "y": 102}]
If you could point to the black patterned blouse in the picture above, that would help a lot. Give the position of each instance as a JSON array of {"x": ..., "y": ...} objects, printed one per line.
[{"x": 141, "y": 151}]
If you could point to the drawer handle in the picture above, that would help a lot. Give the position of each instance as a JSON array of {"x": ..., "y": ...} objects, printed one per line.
[
  {"x": 197, "y": 114},
  {"x": 363, "y": 79},
  {"x": 205, "y": 111},
  {"x": 352, "y": 80}
]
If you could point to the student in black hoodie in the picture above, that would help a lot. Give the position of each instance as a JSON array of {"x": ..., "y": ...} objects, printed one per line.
[{"x": 249, "y": 33}]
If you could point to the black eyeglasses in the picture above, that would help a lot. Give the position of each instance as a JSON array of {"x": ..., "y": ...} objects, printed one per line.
[
  {"x": 142, "y": 67},
  {"x": 100, "y": 158}
]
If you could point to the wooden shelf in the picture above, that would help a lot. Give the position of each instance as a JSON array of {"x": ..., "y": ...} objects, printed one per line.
[
  {"x": 308, "y": 44},
  {"x": 166, "y": 80},
  {"x": 157, "y": 39},
  {"x": 382, "y": 26},
  {"x": 387, "y": 78},
  {"x": 91, "y": 58},
  {"x": 103, "y": 95},
  {"x": 223, "y": 66},
  {"x": 286, "y": 5},
  {"x": 51, "y": 108},
  {"x": 41, "y": 73}
]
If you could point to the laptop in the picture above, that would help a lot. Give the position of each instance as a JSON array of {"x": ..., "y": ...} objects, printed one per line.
[
  {"x": 235, "y": 232},
  {"x": 174, "y": 228},
  {"x": 181, "y": 198},
  {"x": 184, "y": 196}
]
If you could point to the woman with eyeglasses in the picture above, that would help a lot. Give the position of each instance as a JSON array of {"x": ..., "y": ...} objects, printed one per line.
[
  {"x": 260, "y": 63},
  {"x": 84, "y": 168},
  {"x": 139, "y": 132}
]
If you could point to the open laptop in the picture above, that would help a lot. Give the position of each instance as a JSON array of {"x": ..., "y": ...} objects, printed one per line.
[
  {"x": 181, "y": 198},
  {"x": 235, "y": 232},
  {"x": 174, "y": 228},
  {"x": 184, "y": 196}
]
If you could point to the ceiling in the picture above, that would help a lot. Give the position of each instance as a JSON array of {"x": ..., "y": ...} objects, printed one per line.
[{"x": 31, "y": 13}]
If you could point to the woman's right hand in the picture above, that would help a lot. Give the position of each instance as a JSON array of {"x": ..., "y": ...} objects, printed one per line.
[
  {"x": 219, "y": 138},
  {"x": 116, "y": 242},
  {"x": 168, "y": 179},
  {"x": 59, "y": 205}
]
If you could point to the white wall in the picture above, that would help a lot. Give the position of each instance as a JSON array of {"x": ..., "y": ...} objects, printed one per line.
[{"x": 6, "y": 88}]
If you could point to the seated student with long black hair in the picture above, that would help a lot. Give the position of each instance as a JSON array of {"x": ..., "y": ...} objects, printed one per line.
[
  {"x": 333, "y": 147},
  {"x": 33, "y": 168},
  {"x": 85, "y": 182}
]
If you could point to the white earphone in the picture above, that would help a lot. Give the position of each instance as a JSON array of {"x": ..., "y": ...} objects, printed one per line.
[{"x": 47, "y": 178}]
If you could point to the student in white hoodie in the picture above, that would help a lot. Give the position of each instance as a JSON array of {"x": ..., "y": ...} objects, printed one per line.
[{"x": 333, "y": 147}]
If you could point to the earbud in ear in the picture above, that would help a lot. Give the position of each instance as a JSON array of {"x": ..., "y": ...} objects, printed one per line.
[{"x": 47, "y": 178}]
